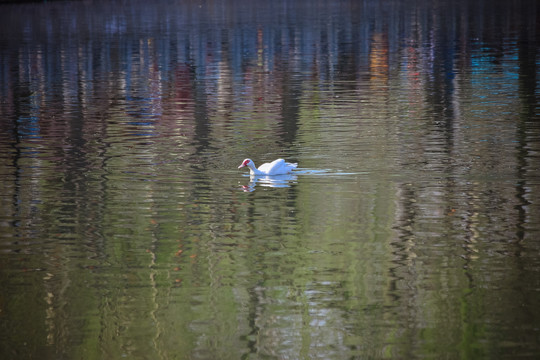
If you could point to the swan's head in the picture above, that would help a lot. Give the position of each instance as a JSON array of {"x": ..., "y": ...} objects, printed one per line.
[{"x": 246, "y": 162}]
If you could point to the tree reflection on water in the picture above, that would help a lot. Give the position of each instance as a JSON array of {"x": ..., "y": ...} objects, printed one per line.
[{"x": 411, "y": 230}]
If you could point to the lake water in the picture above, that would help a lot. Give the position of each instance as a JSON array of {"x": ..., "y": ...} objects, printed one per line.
[{"x": 410, "y": 230}]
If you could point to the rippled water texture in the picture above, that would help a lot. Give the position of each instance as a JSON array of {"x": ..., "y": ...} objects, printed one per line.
[{"x": 410, "y": 230}]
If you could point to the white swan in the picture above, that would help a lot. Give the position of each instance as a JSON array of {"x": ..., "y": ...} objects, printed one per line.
[{"x": 276, "y": 167}]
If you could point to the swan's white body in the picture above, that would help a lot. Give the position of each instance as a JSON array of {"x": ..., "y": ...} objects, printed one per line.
[{"x": 276, "y": 167}]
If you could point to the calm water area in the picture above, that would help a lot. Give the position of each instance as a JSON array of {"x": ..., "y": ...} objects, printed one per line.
[{"x": 410, "y": 230}]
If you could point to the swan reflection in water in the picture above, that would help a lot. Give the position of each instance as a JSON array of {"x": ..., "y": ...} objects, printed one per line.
[{"x": 276, "y": 181}]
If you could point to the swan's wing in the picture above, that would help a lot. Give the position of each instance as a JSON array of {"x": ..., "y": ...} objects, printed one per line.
[
  {"x": 278, "y": 167},
  {"x": 271, "y": 168}
]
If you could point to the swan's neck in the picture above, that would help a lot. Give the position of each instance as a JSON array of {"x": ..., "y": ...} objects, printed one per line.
[{"x": 253, "y": 170}]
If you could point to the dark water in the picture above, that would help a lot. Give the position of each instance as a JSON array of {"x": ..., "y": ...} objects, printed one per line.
[{"x": 411, "y": 229}]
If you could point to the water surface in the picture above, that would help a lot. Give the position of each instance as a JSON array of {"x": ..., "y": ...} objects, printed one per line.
[{"x": 410, "y": 230}]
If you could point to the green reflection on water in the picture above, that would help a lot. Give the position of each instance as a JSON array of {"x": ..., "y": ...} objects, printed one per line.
[{"x": 409, "y": 232}]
